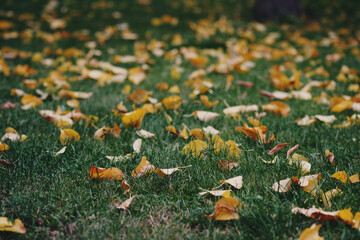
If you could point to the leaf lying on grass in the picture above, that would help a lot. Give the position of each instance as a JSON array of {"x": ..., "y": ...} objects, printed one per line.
[
  {"x": 68, "y": 135},
  {"x": 195, "y": 148},
  {"x": 17, "y": 226},
  {"x": 343, "y": 177},
  {"x": 217, "y": 193},
  {"x": 126, "y": 204},
  {"x": 106, "y": 173},
  {"x": 226, "y": 209},
  {"x": 311, "y": 233},
  {"x": 236, "y": 182},
  {"x": 256, "y": 133}
]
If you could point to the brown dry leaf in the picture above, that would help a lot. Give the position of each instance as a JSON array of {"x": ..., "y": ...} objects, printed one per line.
[
  {"x": 278, "y": 108},
  {"x": 236, "y": 182},
  {"x": 227, "y": 165},
  {"x": 125, "y": 186},
  {"x": 198, "y": 133},
  {"x": 311, "y": 233},
  {"x": 106, "y": 173},
  {"x": 256, "y": 133},
  {"x": 205, "y": 116},
  {"x": 68, "y": 135},
  {"x": 133, "y": 119},
  {"x": 139, "y": 96},
  {"x": 6, "y": 25},
  {"x": 205, "y": 100},
  {"x": 226, "y": 209},
  {"x": 143, "y": 168},
  {"x": 330, "y": 156},
  {"x": 172, "y": 102},
  {"x": 217, "y": 193},
  {"x": 195, "y": 148},
  {"x": 126, "y": 204},
  {"x": 277, "y": 148},
  {"x": 30, "y": 101},
  {"x": 291, "y": 150},
  {"x": 17, "y": 226}
]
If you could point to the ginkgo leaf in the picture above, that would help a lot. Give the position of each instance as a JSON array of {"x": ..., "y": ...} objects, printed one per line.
[
  {"x": 168, "y": 171},
  {"x": 17, "y": 226},
  {"x": 68, "y": 135},
  {"x": 145, "y": 134},
  {"x": 126, "y": 204},
  {"x": 143, "y": 168},
  {"x": 328, "y": 119},
  {"x": 172, "y": 102},
  {"x": 133, "y": 119},
  {"x": 278, "y": 108},
  {"x": 217, "y": 193},
  {"x": 330, "y": 156},
  {"x": 137, "y": 145},
  {"x": 195, "y": 148},
  {"x": 227, "y": 165},
  {"x": 61, "y": 151},
  {"x": 236, "y": 182},
  {"x": 205, "y": 116},
  {"x": 341, "y": 176},
  {"x": 311, "y": 233},
  {"x": 277, "y": 148},
  {"x": 226, "y": 209},
  {"x": 106, "y": 173}
]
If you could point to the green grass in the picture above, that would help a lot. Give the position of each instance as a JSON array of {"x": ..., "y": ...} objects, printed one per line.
[{"x": 55, "y": 198}]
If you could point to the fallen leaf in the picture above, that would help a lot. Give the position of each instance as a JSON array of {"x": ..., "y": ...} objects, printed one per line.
[
  {"x": 106, "y": 173},
  {"x": 341, "y": 176},
  {"x": 3, "y": 147},
  {"x": 217, "y": 193},
  {"x": 195, "y": 148},
  {"x": 227, "y": 165},
  {"x": 143, "y": 168},
  {"x": 328, "y": 119},
  {"x": 168, "y": 171},
  {"x": 125, "y": 186},
  {"x": 256, "y": 133},
  {"x": 236, "y": 182},
  {"x": 210, "y": 130},
  {"x": 306, "y": 121},
  {"x": 17, "y": 226},
  {"x": 126, "y": 204},
  {"x": 311, "y": 233},
  {"x": 205, "y": 116},
  {"x": 30, "y": 101},
  {"x": 240, "y": 109},
  {"x": 291, "y": 150},
  {"x": 277, "y": 148},
  {"x": 226, "y": 209},
  {"x": 145, "y": 134},
  {"x": 133, "y": 119},
  {"x": 278, "y": 108},
  {"x": 205, "y": 100},
  {"x": 330, "y": 156},
  {"x": 137, "y": 145},
  {"x": 68, "y": 135},
  {"x": 61, "y": 151}
]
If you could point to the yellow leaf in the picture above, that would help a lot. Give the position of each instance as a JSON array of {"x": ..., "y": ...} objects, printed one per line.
[
  {"x": 356, "y": 221},
  {"x": 68, "y": 135},
  {"x": 278, "y": 108},
  {"x": 311, "y": 233},
  {"x": 354, "y": 178},
  {"x": 143, "y": 168},
  {"x": 330, "y": 156},
  {"x": 133, "y": 119},
  {"x": 139, "y": 96},
  {"x": 256, "y": 133},
  {"x": 226, "y": 209},
  {"x": 17, "y": 226},
  {"x": 3, "y": 147},
  {"x": 30, "y": 101},
  {"x": 195, "y": 148},
  {"x": 341, "y": 176},
  {"x": 106, "y": 173},
  {"x": 205, "y": 116},
  {"x": 342, "y": 106},
  {"x": 346, "y": 215},
  {"x": 168, "y": 171},
  {"x": 206, "y": 102},
  {"x": 172, "y": 102}
]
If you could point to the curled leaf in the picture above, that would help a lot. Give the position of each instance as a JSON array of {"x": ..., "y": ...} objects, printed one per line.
[{"x": 143, "y": 168}]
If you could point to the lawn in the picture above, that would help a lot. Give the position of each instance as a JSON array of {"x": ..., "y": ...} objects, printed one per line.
[{"x": 107, "y": 69}]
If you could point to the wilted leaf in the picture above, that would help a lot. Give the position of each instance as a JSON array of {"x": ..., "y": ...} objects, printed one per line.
[
  {"x": 17, "y": 226},
  {"x": 182, "y": 134},
  {"x": 195, "y": 148},
  {"x": 278, "y": 108},
  {"x": 330, "y": 156},
  {"x": 256, "y": 133},
  {"x": 236, "y": 182},
  {"x": 240, "y": 109},
  {"x": 277, "y": 148},
  {"x": 172, "y": 102},
  {"x": 61, "y": 151},
  {"x": 226, "y": 209},
  {"x": 217, "y": 193},
  {"x": 205, "y": 116},
  {"x": 125, "y": 186},
  {"x": 145, "y": 134},
  {"x": 206, "y": 102},
  {"x": 143, "y": 168},
  {"x": 211, "y": 130},
  {"x": 227, "y": 165},
  {"x": 30, "y": 101},
  {"x": 133, "y": 119},
  {"x": 311, "y": 233},
  {"x": 106, "y": 173},
  {"x": 126, "y": 204},
  {"x": 68, "y": 135},
  {"x": 291, "y": 150}
]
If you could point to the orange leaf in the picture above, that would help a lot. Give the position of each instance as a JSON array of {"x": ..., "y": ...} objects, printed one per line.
[
  {"x": 68, "y": 135},
  {"x": 17, "y": 226},
  {"x": 278, "y": 108},
  {"x": 106, "y": 173},
  {"x": 133, "y": 119},
  {"x": 143, "y": 168},
  {"x": 226, "y": 209}
]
